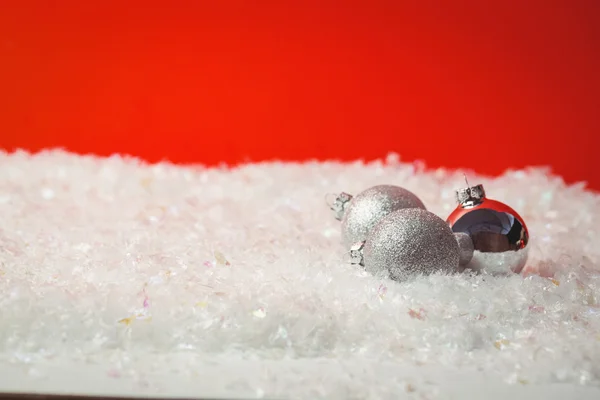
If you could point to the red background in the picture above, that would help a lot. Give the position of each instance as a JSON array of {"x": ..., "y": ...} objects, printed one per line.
[{"x": 487, "y": 85}]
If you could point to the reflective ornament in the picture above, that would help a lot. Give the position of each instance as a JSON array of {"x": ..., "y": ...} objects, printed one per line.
[
  {"x": 465, "y": 245},
  {"x": 359, "y": 214},
  {"x": 408, "y": 242},
  {"x": 498, "y": 233}
]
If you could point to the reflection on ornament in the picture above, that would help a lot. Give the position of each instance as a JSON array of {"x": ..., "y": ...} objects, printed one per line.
[
  {"x": 466, "y": 247},
  {"x": 498, "y": 233},
  {"x": 359, "y": 214},
  {"x": 408, "y": 242}
]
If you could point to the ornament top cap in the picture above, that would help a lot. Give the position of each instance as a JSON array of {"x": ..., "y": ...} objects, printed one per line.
[
  {"x": 470, "y": 196},
  {"x": 339, "y": 205}
]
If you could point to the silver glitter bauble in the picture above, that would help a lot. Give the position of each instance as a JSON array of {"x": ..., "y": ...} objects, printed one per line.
[
  {"x": 411, "y": 241},
  {"x": 465, "y": 245},
  {"x": 499, "y": 235},
  {"x": 367, "y": 208}
]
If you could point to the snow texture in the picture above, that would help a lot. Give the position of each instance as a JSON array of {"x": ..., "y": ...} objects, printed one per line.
[{"x": 122, "y": 278}]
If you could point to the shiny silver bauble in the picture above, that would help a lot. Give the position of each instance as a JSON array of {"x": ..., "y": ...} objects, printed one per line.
[{"x": 499, "y": 235}]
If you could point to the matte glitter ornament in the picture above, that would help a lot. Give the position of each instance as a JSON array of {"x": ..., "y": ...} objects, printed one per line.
[
  {"x": 499, "y": 235},
  {"x": 359, "y": 214},
  {"x": 408, "y": 242}
]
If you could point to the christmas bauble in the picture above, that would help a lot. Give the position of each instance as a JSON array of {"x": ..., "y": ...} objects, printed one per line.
[
  {"x": 465, "y": 246},
  {"x": 361, "y": 213},
  {"x": 408, "y": 242},
  {"x": 498, "y": 233}
]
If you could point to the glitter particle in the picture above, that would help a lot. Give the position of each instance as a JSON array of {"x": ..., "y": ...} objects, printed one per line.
[
  {"x": 220, "y": 258},
  {"x": 417, "y": 314},
  {"x": 48, "y": 193},
  {"x": 381, "y": 291},
  {"x": 126, "y": 321},
  {"x": 259, "y": 313}
]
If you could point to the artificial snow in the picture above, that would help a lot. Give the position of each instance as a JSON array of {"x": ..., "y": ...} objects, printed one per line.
[{"x": 122, "y": 278}]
